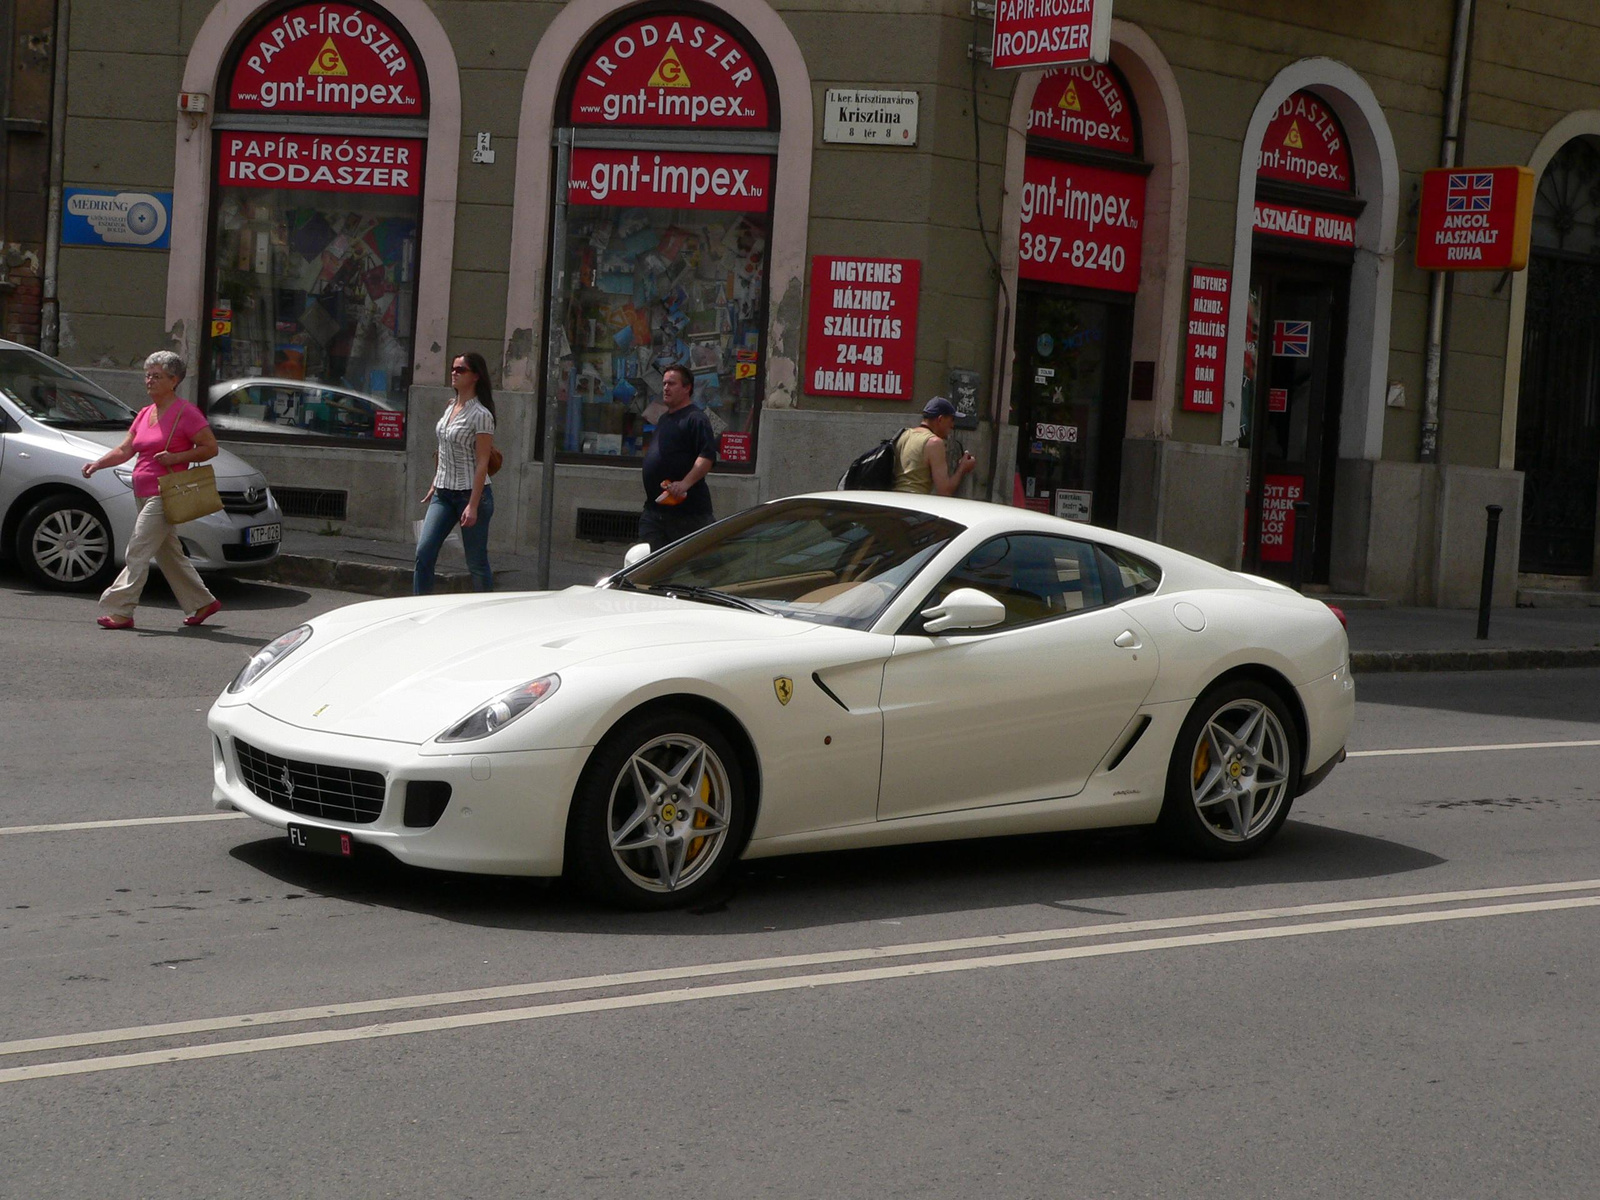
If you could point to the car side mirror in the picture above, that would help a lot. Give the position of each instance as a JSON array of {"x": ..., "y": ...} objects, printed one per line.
[
  {"x": 637, "y": 552},
  {"x": 964, "y": 608}
]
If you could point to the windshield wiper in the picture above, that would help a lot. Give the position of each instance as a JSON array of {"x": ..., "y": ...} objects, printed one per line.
[{"x": 712, "y": 596}]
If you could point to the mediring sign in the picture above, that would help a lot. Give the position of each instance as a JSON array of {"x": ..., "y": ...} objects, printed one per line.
[
  {"x": 1050, "y": 33},
  {"x": 139, "y": 220}
]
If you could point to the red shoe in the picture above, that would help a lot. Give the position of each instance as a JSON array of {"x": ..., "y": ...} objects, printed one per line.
[
  {"x": 114, "y": 622},
  {"x": 199, "y": 618}
]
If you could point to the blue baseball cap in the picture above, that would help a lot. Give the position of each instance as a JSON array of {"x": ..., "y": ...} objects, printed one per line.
[{"x": 939, "y": 407}]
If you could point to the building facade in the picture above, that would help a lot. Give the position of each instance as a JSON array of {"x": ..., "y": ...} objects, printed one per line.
[{"x": 1174, "y": 293}]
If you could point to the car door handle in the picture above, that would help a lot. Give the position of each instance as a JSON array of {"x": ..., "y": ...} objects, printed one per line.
[{"x": 1128, "y": 640}]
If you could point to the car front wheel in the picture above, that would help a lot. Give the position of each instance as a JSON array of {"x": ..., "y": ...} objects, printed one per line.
[
  {"x": 659, "y": 814},
  {"x": 64, "y": 542},
  {"x": 1233, "y": 773}
]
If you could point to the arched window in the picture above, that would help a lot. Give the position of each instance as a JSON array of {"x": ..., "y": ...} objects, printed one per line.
[
  {"x": 664, "y": 223},
  {"x": 315, "y": 224}
]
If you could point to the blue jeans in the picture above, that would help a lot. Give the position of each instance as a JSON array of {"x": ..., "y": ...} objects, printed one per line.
[{"x": 444, "y": 512}]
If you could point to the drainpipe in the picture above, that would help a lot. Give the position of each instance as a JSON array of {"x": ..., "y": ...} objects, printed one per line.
[
  {"x": 1460, "y": 44},
  {"x": 49, "y": 306}
]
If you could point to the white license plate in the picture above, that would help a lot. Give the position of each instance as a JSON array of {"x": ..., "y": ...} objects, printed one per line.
[{"x": 261, "y": 535}]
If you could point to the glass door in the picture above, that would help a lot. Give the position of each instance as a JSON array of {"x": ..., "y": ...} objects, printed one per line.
[{"x": 1070, "y": 399}]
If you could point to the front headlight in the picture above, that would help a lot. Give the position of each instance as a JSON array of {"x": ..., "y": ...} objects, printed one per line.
[
  {"x": 125, "y": 474},
  {"x": 269, "y": 656},
  {"x": 501, "y": 711}
]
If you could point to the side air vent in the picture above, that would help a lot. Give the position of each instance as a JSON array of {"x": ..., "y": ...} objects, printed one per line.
[{"x": 1133, "y": 740}]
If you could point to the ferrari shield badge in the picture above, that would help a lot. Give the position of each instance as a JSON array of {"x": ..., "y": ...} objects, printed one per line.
[{"x": 784, "y": 686}]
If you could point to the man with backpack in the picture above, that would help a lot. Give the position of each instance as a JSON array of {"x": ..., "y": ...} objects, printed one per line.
[{"x": 920, "y": 464}]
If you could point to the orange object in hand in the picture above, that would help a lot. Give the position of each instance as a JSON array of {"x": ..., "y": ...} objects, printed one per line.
[{"x": 666, "y": 497}]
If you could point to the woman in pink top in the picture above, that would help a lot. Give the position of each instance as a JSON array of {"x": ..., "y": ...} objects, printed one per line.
[{"x": 167, "y": 435}]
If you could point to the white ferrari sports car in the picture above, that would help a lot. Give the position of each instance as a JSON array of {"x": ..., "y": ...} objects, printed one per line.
[{"x": 816, "y": 673}]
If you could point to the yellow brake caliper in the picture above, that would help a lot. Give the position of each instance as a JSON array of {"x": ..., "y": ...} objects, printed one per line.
[
  {"x": 1202, "y": 761},
  {"x": 701, "y": 820}
]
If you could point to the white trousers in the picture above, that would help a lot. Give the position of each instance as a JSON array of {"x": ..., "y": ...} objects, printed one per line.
[{"x": 154, "y": 540}]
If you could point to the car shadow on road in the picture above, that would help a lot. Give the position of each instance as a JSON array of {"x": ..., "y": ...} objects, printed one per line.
[
  {"x": 1106, "y": 872},
  {"x": 235, "y": 591}
]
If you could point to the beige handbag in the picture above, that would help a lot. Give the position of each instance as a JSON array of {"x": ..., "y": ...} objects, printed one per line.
[{"x": 190, "y": 494}]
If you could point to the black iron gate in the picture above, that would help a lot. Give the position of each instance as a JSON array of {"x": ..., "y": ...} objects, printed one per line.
[{"x": 1558, "y": 415}]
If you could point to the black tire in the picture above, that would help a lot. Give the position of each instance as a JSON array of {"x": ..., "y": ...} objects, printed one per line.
[
  {"x": 1231, "y": 808},
  {"x": 676, "y": 868},
  {"x": 64, "y": 543}
]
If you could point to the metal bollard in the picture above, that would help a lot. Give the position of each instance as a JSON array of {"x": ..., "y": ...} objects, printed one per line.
[
  {"x": 1491, "y": 538},
  {"x": 1302, "y": 545}
]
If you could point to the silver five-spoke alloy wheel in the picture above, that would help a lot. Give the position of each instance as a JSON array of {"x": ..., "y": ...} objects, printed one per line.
[
  {"x": 1240, "y": 774},
  {"x": 669, "y": 813}
]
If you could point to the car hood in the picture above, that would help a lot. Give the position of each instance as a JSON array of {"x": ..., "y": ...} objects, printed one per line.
[
  {"x": 95, "y": 442},
  {"x": 405, "y": 670}
]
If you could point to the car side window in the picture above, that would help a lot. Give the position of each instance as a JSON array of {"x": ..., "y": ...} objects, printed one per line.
[{"x": 1036, "y": 576}]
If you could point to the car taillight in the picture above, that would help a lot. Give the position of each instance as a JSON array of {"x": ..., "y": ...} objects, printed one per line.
[{"x": 1339, "y": 612}]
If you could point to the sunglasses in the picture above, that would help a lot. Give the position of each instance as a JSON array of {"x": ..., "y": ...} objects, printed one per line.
[{"x": 460, "y": 370}]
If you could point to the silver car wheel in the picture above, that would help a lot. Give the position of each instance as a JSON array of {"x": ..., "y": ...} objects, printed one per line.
[
  {"x": 1239, "y": 774},
  {"x": 668, "y": 813},
  {"x": 70, "y": 545}
]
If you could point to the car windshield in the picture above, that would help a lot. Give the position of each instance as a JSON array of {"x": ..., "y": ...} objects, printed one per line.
[
  {"x": 833, "y": 562},
  {"x": 49, "y": 392}
]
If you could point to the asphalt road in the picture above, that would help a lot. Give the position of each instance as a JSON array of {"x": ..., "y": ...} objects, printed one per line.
[{"x": 1396, "y": 999}]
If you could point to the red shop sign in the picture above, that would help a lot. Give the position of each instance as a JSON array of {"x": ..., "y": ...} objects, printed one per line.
[
  {"x": 1479, "y": 219},
  {"x": 1278, "y": 495},
  {"x": 1083, "y": 106},
  {"x": 668, "y": 179},
  {"x": 326, "y": 58},
  {"x": 671, "y": 70},
  {"x": 1305, "y": 144},
  {"x": 1304, "y": 224},
  {"x": 861, "y": 339},
  {"x": 387, "y": 423},
  {"x": 1081, "y": 225},
  {"x": 1051, "y": 33},
  {"x": 315, "y": 162},
  {"x": 734, "y": 448},
  {"x": 1209, "y": 289}
]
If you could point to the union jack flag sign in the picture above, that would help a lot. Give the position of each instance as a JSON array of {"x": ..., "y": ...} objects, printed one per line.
[
  {"x": 1469, "y": 191},
  {"x": 1291, "y": 339}
]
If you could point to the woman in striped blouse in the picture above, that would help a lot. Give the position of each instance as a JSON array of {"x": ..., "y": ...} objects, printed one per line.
[{"x": 461, "y": 491}]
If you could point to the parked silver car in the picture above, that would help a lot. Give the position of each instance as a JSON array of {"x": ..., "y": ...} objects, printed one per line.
[{"x": 69, "y": 532}]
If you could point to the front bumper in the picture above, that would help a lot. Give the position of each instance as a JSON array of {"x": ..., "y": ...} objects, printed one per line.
[
  {"x": 507, "y": 813},
  {"x": 217, "y": 542}
]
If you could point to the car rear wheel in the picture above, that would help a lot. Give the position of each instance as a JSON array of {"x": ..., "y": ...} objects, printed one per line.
[
  {"x": 64, "y": 542},
  {"x": 1234, "y": 772},
  {"x": 659, "y": 814}
]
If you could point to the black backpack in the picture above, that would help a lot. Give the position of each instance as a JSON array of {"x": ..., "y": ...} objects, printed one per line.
[{"x": 874, "y": 470}]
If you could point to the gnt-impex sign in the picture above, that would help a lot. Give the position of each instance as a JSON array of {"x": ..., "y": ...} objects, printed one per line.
[{"x": 1051, "y": 33}]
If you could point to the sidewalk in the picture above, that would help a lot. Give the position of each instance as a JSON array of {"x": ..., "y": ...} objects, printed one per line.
[{"x": 1381, "y": 639}]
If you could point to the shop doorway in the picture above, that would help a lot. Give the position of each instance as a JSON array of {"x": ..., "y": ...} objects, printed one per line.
[
  {"x": 1071, "y": 382},
  {"x": 1298, "y": 314}
]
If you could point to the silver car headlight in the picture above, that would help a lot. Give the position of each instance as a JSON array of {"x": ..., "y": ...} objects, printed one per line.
[
  {"x": 270, "y": 656},
  {"x": 125, "y": 474},
  {"x": 501, "y": 711}
]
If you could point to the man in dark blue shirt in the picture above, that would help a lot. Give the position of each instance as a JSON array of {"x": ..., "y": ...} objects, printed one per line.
[{"x": 683, "y": 452}]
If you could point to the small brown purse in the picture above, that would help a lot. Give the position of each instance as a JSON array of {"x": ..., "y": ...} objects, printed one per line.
[
  {"x": 190, "y": 494},
  {"x": 496, "y": 459}
]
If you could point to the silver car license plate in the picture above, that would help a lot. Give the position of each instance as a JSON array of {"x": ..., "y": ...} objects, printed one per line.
[{"x": 261, "y": 535}]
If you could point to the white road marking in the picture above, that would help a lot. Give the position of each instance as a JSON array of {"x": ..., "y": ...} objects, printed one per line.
[
  {"x": 74, "y": 826},
  {"x": 1473, "y": 749},
  {"x": 679, "y": 995}
]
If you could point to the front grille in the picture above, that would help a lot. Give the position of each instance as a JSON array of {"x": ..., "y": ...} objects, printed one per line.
[
  {"x": 239, "y": 502},
  {"x": 601, "y": 525},
  {"x": 311, "y": 789},
  {"x": 317, "y": 503},
  {"x": 236, "y": 553}
]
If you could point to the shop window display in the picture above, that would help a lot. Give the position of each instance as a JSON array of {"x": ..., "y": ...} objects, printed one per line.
[
  {"x": 312, "y": 313},
  {"x": 652, "y": 288}
]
